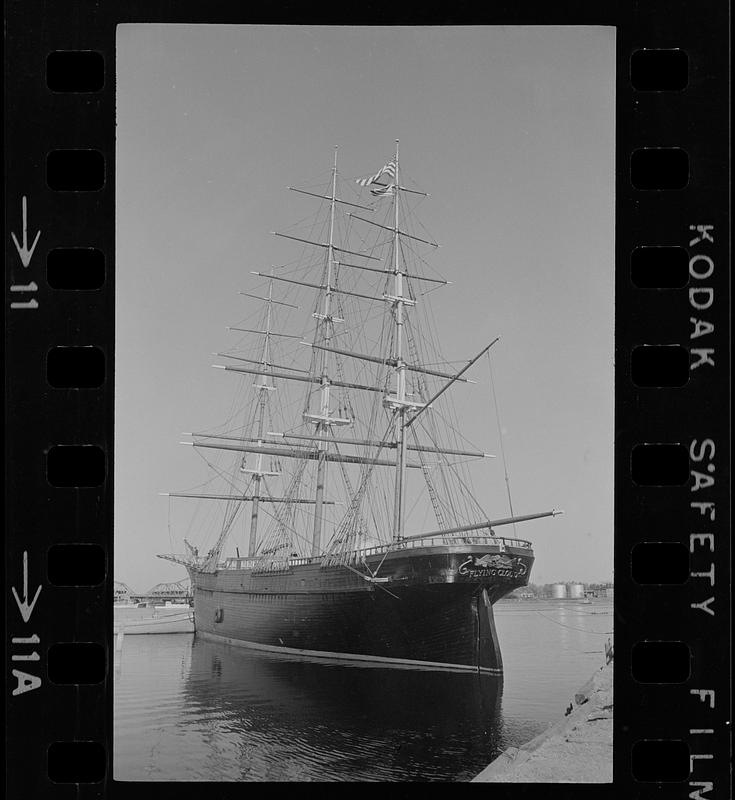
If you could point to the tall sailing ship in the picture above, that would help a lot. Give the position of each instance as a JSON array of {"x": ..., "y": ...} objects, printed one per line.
[{"x": 345, "y": 432}]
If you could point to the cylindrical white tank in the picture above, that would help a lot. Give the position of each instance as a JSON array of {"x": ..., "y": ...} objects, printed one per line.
[
  {"x": 576, "y": 590},
  {"x": 558, "y": 591}
]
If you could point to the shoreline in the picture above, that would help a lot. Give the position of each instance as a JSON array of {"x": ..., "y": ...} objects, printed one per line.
[{"x": 575, "y": 749}]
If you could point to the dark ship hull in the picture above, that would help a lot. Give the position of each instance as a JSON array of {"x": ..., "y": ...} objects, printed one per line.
[{"x": 430, "y": 605}]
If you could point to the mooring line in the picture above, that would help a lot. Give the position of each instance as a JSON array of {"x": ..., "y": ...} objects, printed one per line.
[{"x": 571, "y": 627}]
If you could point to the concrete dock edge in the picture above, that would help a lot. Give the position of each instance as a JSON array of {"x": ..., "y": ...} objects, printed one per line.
[{"x": 576, "y": 749}]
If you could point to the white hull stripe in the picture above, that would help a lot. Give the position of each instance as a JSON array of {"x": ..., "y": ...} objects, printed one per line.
[{"x": 398, "y": 663}]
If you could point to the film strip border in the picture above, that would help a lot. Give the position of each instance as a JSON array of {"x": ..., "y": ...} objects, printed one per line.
[
  {"x": 672, "y": 397},
  {"x": 672, "y": 386},
  {"x": 59, "y": 308}
]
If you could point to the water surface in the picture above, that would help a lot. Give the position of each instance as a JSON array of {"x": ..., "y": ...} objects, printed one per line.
[{"x": 188, "y": 709}]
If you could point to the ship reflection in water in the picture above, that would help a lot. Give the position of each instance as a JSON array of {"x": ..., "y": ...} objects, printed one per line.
[{"x": 237, "y": 714}]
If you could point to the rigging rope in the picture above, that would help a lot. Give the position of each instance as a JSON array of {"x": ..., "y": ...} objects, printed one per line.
[
  {"x": 571, "y": 627},
  {"x": 500, "y": 436},
  {"x": 170, "y": 537}
]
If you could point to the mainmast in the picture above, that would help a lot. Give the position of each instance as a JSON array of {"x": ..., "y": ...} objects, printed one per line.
[
  {"x": 399, "y": 401},
  {"x": 323, "y": 422}
]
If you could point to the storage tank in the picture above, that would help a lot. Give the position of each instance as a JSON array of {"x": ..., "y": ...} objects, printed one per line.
[
  {"x": 558, "y": 591},
  {"x": 576, "y": 591}
]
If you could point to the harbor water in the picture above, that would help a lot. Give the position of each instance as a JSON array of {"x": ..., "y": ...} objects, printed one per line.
[{"x": 193, "y": 710}]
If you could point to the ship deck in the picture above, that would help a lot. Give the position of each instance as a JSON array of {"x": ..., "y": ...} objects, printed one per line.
[{"x": 450, "y": 544}]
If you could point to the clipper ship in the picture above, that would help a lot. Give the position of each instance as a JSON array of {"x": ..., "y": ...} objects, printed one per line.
[{"x": 346, "y": 430}]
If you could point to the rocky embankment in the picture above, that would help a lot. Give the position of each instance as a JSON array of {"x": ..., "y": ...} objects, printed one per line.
[{"x": 576, "y": 749}]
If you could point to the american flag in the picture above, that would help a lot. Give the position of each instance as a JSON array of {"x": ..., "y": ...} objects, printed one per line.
[
  {"x": 384, "y": 191},
  {"x": 388, "y": 169}
]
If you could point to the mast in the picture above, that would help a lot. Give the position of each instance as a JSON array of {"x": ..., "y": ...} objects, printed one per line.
[
  {"x": 399, "y": 302},
  {"x": 262, "y": 389},
  {"x": 322, "y": 425},
  {"x": 320, "y": 443},
  {"x": 213, "y": 555}
]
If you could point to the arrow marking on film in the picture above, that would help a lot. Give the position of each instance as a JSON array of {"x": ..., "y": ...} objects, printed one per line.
[
  {"x": 25, "y": 254},
  {"x": 25, "y": 608}
]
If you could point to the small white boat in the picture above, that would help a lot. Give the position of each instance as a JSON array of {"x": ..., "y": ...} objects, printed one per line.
[{"x": 138, "y": 618}]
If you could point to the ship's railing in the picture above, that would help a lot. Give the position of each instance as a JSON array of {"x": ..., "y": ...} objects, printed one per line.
[
  {"x": 491, "y": 541},
  {"x": 239, "y": 563},
  {"x": 252, "y": 563},
  {"x": 502, "y": 542}
]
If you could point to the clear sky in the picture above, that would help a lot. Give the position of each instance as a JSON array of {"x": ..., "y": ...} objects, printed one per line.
[{"x": 511, "y": 130}]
